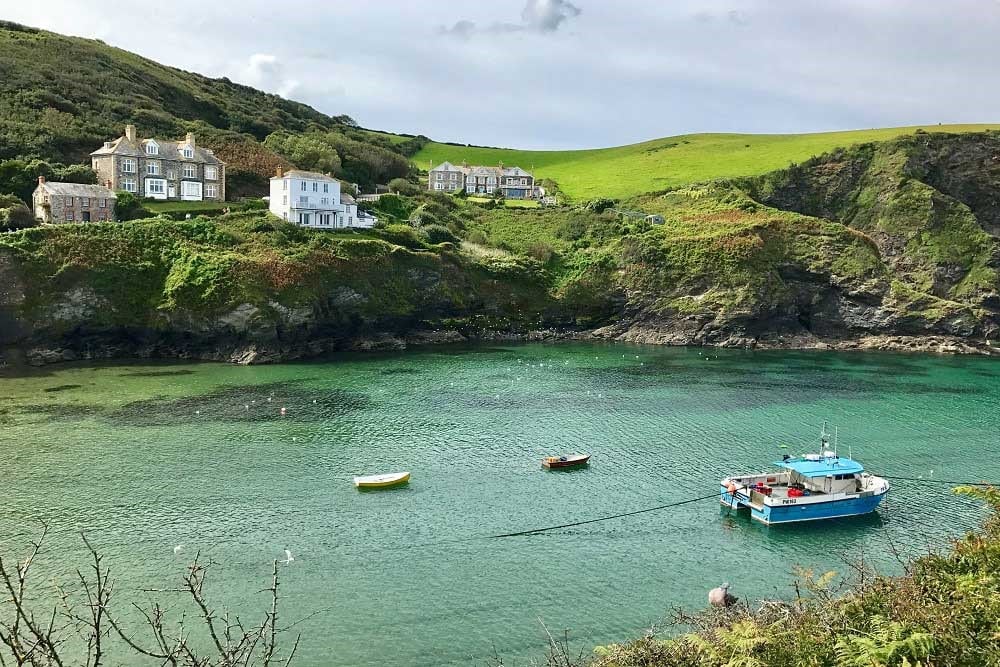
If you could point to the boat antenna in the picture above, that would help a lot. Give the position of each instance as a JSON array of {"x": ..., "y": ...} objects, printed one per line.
[
  {"x": 836, "y": 441},
  {"x": 824, "y": 439}
]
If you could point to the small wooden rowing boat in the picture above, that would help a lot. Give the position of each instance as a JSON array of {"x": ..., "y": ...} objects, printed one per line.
[
  {"x": 381, "y": 481},
  {"x": 565, "y": 461}
]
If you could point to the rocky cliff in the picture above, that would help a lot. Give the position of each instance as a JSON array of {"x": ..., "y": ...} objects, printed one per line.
[
  {"x": 891, "y": 245},
  {"x": 884, "y": 245}
]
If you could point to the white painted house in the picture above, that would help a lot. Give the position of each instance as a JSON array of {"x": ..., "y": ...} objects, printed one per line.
[{"x": 314, "y": 200}]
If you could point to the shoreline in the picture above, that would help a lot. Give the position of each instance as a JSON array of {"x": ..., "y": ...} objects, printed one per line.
[{"x": 247, "y": 353}]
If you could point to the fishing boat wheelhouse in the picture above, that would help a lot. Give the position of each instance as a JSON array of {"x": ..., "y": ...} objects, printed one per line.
[{"x": 806, "y": 488}]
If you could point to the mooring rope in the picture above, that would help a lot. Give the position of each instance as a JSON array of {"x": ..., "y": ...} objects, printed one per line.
[
  {"x": 938, "y": 481},
  {"x": 535, "y": 531}
]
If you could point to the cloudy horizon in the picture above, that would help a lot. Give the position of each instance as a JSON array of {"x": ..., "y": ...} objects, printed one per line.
[{"x": 553, "y": 74}]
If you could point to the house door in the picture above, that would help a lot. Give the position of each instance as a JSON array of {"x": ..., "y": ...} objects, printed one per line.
[
  {"x": 171, "y": 191},
  {"x": 85, "y": 216}
]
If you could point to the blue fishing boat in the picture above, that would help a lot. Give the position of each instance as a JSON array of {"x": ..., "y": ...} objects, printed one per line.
[{"x": 806, "y": 488}]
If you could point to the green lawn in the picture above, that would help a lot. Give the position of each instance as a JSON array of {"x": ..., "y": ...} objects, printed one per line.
[
  {"x": 509, "y": 203},
  {"x": 624, "y": 171},
  {"x": 187, "y": 206}
]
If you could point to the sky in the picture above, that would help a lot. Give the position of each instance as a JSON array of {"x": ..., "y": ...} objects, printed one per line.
[{"x": 556, "y": 74}]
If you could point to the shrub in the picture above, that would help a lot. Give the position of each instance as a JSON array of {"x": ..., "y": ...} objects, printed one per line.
[
  {"x": 129, "y": 207},
  {"x": 15, "y": 214},
  {"x": 254, "y": 205},
  {"x": 403, "y": 235},
  {"x": 438, "y": 234},
  {"x": 478, "y": 237},
  {"x": 541, "y": 251},
  {"x": 403, "y": 187}
]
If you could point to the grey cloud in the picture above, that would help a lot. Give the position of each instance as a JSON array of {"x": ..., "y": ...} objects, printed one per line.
[
  {"x": 733, "y": 16},
  {"x": 540, "y": 16}
]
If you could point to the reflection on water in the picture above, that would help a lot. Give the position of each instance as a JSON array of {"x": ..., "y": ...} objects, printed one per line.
[{"x": 146, "y": 457}]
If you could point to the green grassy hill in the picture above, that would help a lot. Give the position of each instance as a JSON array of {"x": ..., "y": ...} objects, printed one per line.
[{"x": 625, "y": 171}]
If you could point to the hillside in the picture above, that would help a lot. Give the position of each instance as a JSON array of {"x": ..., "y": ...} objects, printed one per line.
[
  {"x": 626, "y": 171},
  {"x": 61, "y": 97},
  {"x": 887, "y": 245}
]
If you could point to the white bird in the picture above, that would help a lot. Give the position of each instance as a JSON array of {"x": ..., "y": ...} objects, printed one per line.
[
  {"x": 178, "y": 549},
  {"x": 288, "y": 557}
]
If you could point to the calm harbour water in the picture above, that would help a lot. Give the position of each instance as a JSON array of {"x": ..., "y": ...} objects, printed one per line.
[{"x": 144, "y": 457}]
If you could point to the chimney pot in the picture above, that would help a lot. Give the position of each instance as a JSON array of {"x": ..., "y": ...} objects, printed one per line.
[
  {"x": 278, "y": 172},
  {"x": 41, "y": 180},
  {"x": 130, "y": 132},
  {"x": 190, "y": 139}
]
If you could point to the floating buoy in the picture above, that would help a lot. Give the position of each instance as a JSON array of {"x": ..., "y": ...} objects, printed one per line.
[
  {"x": 197, "y": 412},
  {"x": 282, "y": 411}
]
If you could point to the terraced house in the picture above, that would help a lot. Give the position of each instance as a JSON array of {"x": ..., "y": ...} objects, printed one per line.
[
  {"x": 514, "y": 182},
  {"x": 160, "y": 169}
]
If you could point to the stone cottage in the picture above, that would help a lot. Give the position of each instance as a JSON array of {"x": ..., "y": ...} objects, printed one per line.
[
  {"x": 72, "y": 202},
  {"x": 160, "y": 169}
]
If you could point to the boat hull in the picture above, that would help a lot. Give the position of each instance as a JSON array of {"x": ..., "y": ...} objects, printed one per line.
[
  {"x": 795, "y": 510},
  {"x": 382, "y": 481},
  {"x": 569, "y": 462}
]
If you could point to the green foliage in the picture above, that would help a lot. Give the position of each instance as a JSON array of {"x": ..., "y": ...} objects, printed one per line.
[
  {"x": 14, "y": 214},
  {"x": 129, "y": 207},
  {"x": 403, "y": 235},
  {"x": 438, "y": 234},
  {"x": 403, "y": 187},
  {"x": 340, "y": 154}
]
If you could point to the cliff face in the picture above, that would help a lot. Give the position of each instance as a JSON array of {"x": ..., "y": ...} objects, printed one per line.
[
  {"x": 891, "y": 239},
  {"x": 890, "y": 245},
  {"x": 246, "y": 289}
]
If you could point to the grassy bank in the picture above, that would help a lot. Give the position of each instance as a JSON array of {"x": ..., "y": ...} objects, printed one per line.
[{"x": 625, "y": 171}]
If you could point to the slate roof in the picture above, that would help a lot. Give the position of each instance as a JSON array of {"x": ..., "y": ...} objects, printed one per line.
[
  {"x": 515, "y": 171},
  {"x": 448, "y": 166},
  {"x": 76, "y": 190},
  {"x": 299, "y": 173},
  {"x": 346, "y": 198},
  {"x": 168, "y": 150}
]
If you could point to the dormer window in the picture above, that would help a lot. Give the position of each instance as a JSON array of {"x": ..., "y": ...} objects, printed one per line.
[
  {"x": 152, "y": 148},
  {"x": 107, "y": 144},
  {"x": 187, "y": 152}
]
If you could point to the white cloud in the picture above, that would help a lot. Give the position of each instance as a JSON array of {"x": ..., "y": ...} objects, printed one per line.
[{"x": 266, "y": 72}]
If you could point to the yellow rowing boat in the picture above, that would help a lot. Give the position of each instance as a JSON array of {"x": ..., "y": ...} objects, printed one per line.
[{"x": 381, "y": 481}]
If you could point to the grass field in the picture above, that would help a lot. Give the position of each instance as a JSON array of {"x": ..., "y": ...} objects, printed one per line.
[{"x": 624, "y": 171}]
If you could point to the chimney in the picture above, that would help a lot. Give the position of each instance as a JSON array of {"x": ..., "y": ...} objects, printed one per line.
[
  {"x": 278, "y": 172},
  {"x": 41, "y": 180},
  {"x": 130, "y": 132},
  {"x": 189, "y": 140}
]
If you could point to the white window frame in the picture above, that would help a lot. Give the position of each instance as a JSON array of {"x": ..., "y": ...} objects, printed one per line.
[
  {"x": 211, "y": 173},
  {"x": 152, "y": 168},
  {"x": 326, "y": 187},
  {"x": 191, "y": 191},
  {"x": 190, "y": 171},
  {"x": 284, "y": 200},
  {"x": 102, "y": 202},
  {"x": 315, "y": 186},
  {"x": 69, "y": 214},
  {"x": 211, "y": 191},
  {"x": 128, "y": 165},
  {"x": 129, "y": 185},
  {"x": 304, "y": 186},
  {"x": 156, "y": 186},
  {"x": 187, "y": 152},
  {"x": 439, "y": 186},
  {"x": 152, "y": 148},
  {"x": 84, "y": 202}
]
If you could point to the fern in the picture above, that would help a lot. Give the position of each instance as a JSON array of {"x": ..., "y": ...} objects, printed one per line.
[{"x": 889, "y": 643}]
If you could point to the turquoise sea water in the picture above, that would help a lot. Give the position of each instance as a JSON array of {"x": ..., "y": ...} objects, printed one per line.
[{"x": 144, "y": 457}]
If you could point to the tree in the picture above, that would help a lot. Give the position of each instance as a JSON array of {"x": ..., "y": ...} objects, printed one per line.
[
  {"x": 403, "y": 187},
  {"x": 14, "y": 214}
]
